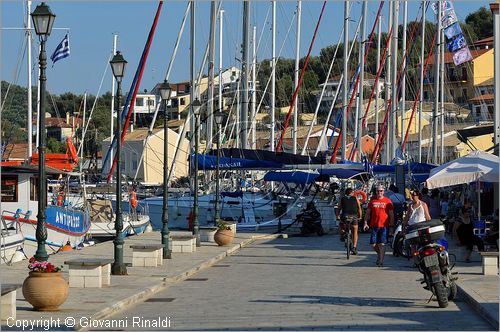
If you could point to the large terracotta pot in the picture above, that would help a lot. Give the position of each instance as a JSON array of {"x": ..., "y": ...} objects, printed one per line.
[
  {"x": 223, "y": 237},
  {"x": 45, "y": 291}
]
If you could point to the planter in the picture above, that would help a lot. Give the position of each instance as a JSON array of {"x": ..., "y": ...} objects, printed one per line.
[
  {"x": 45, "y": 291},
  {"x": 223, "y": 237},
  {"x": 207, "y": 234}
]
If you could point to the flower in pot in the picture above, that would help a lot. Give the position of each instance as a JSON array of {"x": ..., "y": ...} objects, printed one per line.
[
  {"x": 224, "y": 234},
  {"x": 45, "y": 288}
]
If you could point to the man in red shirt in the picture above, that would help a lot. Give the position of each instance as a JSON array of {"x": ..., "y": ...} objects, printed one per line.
[{"x": 381, "y": 216}]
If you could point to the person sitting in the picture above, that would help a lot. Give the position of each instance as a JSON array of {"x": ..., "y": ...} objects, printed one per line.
[
  {"x": 349, "y": 211},
  {"x": 311, "y": 212}
]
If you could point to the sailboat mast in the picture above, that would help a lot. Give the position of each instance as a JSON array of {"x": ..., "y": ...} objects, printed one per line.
[
  {"x": 192, "y": 64},
  {"x": 441, "y": 117},
  {"x": 83, "y": 131},
  {"x": 254, "y": 90},
  {"x": 393, "y": 125},
  {"x": 111, "y": 156},
  {"x": 30, "y": 98},
  {"x": 273, "y": 79},
  {"x": 211, "y": 75},
  {"x": 358, "y": 131},
  {"x": 296, "y": 78},
  {"x": 389, "y": 84},
  {"x": 377, "y": 87},
  {"x": 403, "y": 77},
  {"x": 221, "y": 20},
  {"x": 436, "y": 86},
  {"x": 421, "y": 104},
  {"x": 345, "y": 80},
  {"x": 244, "y": 75}
]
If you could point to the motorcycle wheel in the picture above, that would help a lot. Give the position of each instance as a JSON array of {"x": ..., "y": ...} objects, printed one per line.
[
  {"x": 441, "y": 294},
  {"x": 398, "y": 247},
  {"x": 320, "y": 231},
  {"x": 452, "y": 291}
]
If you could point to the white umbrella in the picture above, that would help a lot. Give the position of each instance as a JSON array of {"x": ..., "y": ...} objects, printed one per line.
[{"x": 476, "y": 166}]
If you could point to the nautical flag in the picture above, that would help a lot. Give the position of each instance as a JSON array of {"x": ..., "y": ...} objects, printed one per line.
[
  {"x": 452, "y": 30},
  {"x": 456, "y": 43},
  {"x": 61, "y": 51},
  {"x": 461, "y": 56}
]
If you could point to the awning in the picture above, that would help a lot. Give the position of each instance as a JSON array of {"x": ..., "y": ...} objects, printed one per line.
[{"x": 464, "y": 134}]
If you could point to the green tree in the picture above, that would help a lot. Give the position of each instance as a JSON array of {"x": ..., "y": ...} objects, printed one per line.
[{"x": 481, "y": 22}]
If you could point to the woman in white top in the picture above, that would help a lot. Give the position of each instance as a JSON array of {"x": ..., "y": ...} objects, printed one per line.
[{"x": 417, "y": 211}]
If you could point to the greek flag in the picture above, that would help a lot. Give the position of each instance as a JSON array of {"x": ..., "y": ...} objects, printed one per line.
[{"x": 61, "y": 51}]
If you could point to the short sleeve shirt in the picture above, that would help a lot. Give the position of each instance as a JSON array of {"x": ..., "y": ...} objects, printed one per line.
[{"x": 380, "y": 208}]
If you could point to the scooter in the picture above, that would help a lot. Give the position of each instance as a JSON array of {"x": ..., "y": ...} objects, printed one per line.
[
  {"x": 399, "y": 244},
  {"x": 433, "y": 261},
  {"x": 311, "y": 223}
]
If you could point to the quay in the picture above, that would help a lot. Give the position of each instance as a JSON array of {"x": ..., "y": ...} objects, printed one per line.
[{"x": 478, "y": 291}]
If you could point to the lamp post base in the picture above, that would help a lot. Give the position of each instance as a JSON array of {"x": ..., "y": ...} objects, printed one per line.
[{"x": 118, "y": 269}]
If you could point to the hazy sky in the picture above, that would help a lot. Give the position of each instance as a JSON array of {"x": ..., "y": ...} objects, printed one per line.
[{"x": 91, "y": 26}]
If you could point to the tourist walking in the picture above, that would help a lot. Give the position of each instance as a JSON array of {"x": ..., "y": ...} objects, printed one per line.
[{"x": 380, "y": 214}]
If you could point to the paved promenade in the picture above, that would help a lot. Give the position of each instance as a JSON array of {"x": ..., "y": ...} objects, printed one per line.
[{"x": 143, "y": 283}]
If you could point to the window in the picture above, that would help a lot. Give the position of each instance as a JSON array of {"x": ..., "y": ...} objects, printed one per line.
[
  {"x": 151, "y": 102},
  {"x": 9, "y": 188},
  {"x": 183, "y": 101},
  {"x": 464, "y": 74},
  {"x": 33, "y": 188},
  {"x": 139, "y": 102}
]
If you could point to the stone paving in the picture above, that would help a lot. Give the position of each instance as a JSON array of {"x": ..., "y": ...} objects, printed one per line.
[{"x": 303, "y": 283}]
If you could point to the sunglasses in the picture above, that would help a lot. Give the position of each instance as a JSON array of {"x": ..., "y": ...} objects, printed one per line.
[{"x": 380, "y": 191}]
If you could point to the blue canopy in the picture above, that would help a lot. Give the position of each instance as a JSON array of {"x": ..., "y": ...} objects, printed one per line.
[
  {"x": 294, "y": 177},
  {"x": 208, "y": 162},
  {"x": 343, "y": 173}
]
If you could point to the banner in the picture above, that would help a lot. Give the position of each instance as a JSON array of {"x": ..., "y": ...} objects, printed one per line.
[
  {"x": 461, "y": 56},
  {"x": 449, "y": 18},
  {"x": 452, "y": 31},
  {"x": 456, "y": 43}
]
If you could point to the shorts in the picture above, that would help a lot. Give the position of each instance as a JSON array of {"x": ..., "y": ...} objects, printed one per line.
[
  {"x": 345, "y": 219},
  {"x": 379, "y": 235}
]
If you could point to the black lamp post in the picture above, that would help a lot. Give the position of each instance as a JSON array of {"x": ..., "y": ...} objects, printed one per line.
[
  {"x": 219, "y": 118},
  {"x": 43, "y": 20},
  {"x": 165, "y": 92},
  {"x": 196, "y": 111},
  {"x": 118, "y": 64}
]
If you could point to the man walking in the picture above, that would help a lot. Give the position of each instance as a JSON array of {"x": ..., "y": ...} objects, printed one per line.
[{"x": 380, "y": 213}]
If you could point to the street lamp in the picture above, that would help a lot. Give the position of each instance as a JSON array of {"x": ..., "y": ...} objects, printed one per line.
[
  {"x": 43, "y": 20},
  {"x": 165, "y": 91},
  {"x": 219, "y": 118},
  {"x": 118, "y": 64},
  {"x": 196, "y": 105}
]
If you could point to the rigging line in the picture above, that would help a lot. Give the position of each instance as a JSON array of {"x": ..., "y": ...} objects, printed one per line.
[
  {"x": 418, "y": 95},
  {"x": 273, "y": 70},
  {"x": 367, "y": 49},
  {"x": 322, "y": 93},
  {"x": 93, "y": 105},
  {"x": 22, "y": 50},
  {"x": 294, "y": 98}
]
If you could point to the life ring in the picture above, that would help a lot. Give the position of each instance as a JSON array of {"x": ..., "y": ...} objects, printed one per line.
[
  {"x": 133, "y": 200},
  {"x": 60, "y": 199},
  {"x": 361, "y": 195}
]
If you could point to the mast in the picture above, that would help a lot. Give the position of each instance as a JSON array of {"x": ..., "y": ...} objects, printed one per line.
[
  {"x": 30, "y": 98},
  {"x": 221, "y": 20},
  {"x": 244, "y": 76},
  {"x": 83, "y": 131},
  {"x": 211, "y": 75},
  {"x": 421, "y": 104},
  {"x": 393, "y": 125},
  {"x": 192, "y": 70},
  {"x": 111, "y": 156},
  {"x": 377, "y": 87},
  {"x": 358, "y": 130},
  {"x": 273, "y": 79},
  {"x": 389, "y": 82},
  {"x": 436, "y": 87},
  {"x": 296, "y": 78},
  {"x": 403, "y": 65},
  {"x": 442, "y": 97},
  {"x": 345, "y": 80},
  {"x": 254, "y": 89}
]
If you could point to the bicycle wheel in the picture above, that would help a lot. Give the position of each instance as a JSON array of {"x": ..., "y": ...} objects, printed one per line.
[{"x": 348, "y": 242}]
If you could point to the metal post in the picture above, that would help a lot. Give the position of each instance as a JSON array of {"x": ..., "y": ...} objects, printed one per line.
[
  {"x": 165, "y": 232},
  {"x": 115, "y": 39},
  {"x": 345, "y": 80},
  {"x": 217, "y": 175},
  {"x": 196, "y": 227},
  {"x": 41, "y": 231},
  {"x": 30, "y": 99},
  {"x": 118, "y": 267},
  {"x": 420, "y": 102},
  {"x": 436, "y": 87}
]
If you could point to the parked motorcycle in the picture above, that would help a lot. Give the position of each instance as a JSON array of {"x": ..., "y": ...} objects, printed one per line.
[
  {"x": 433, "y": 261},
  {"x": 399, "y": 244},
  {"x": 311, "y": 221}
]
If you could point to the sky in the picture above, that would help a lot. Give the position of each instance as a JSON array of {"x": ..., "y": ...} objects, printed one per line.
[{"x": 92, "y": 24}]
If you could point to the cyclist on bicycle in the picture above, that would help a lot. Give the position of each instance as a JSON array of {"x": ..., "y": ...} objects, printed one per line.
[{"x": 349, "y": 212}]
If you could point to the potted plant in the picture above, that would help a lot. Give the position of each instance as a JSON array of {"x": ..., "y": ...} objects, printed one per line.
[
  {"x": 45, "y": 288},
  {"x": 224, "y": 235}
]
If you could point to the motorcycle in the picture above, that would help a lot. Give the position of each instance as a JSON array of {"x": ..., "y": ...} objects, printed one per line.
[
  {"x": 311, "y": 222},
  {"x": 399, "y": 243},
  {"x": 432, "y": 260}
]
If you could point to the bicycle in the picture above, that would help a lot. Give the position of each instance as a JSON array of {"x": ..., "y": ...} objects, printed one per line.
[{"x": 349, "y": 243}]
